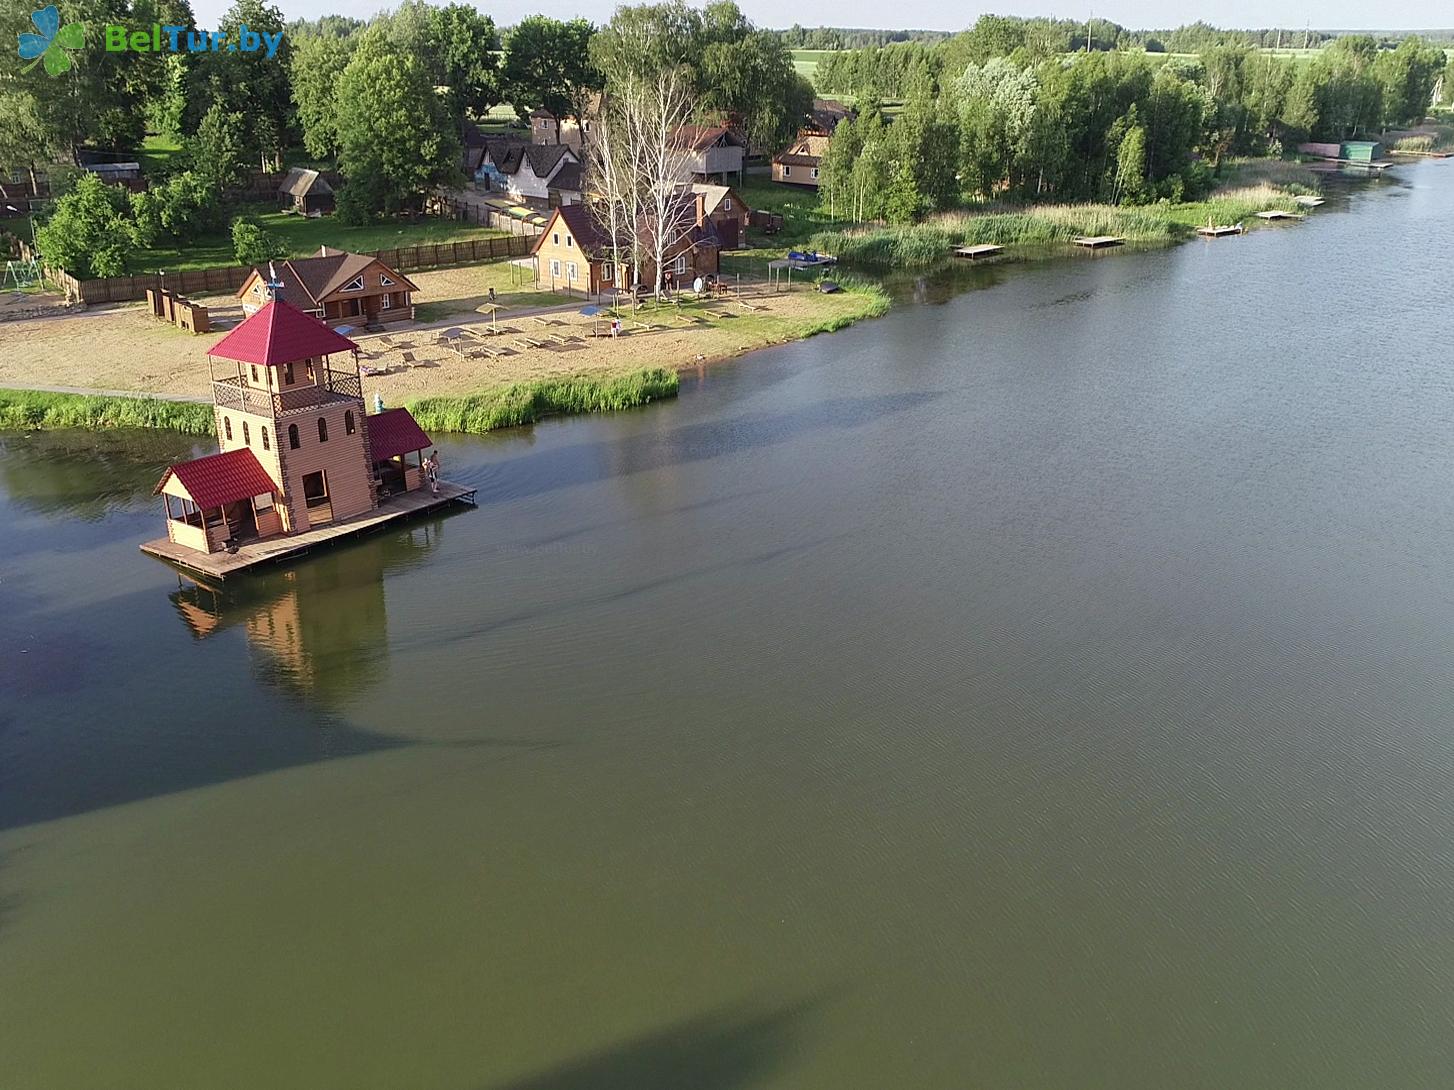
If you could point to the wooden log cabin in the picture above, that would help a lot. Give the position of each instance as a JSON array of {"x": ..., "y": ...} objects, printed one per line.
[
  {"x": 299, "y": 451},
  {"x": 339, "y": 287}
]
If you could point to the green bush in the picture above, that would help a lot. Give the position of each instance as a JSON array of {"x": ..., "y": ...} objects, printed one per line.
[
  {"x": 526, "y": 402},
  {"x": 252, "y": 243},
  {"x": 33, "y": 410}
]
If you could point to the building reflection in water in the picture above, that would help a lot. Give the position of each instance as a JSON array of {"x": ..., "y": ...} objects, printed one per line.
[{"x": 317, "y": 630}]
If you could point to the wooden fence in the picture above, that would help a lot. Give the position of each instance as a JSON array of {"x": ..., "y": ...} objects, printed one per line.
[{"x": 215, "y": 281}]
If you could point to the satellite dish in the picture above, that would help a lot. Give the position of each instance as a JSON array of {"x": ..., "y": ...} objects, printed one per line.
[{"x": 699, "y": 285}]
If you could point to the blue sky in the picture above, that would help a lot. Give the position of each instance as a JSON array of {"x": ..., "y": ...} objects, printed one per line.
[{"x": 943, "y": 15}]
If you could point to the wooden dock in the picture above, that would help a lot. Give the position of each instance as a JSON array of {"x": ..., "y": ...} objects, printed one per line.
[
  {"x": 1208, "y": 230},
  {"x": 1100, "y": 242},
  {"x": 1309, "y": 202},
  {"x": 275, "y": 549},
  {"x": 974, "y": 253},
  {"x": 1279, "y": 214}
]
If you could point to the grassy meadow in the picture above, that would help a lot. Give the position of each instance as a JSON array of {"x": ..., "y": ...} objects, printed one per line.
[{"x": 303, "y": 236}]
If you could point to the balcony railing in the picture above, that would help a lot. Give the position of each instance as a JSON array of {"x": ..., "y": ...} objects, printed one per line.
[{"x": 231, "y": 393}]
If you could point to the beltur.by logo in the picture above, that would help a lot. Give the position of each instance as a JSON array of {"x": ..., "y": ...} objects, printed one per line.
[
  {"x": 178, "y": 39},
  {"x": 49, "y": 45}
]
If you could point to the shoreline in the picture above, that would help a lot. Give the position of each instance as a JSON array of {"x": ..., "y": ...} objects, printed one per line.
[
  {"x": 520, "y": 397},
  {"x": 666, "y": 341}
]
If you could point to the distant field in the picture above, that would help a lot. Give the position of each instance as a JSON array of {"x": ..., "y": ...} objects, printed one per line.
[{"x": 805, "y": 61}]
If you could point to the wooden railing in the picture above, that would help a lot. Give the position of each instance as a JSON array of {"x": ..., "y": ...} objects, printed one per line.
[{"x": 231, "y": 393}]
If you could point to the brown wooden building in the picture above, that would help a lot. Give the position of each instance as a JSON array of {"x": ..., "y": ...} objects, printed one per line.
[
  {"x": 306, "y": 192},
  {"x": 337, "y": 287},
  {"x": 574, "y": 252},
  {"x": 295, "y": 438},
  {"x": 727, "y": 211}
]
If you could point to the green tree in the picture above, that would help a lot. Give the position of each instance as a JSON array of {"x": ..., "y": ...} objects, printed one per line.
[
  {"x": 751, "y": 79},
  {"x": 25, "y": 138},
  {"x": 219, "y": 152},
  {"x": 87, "y": 234},
  {"x": 1130, "y": 184},
  {"x": 458, "y": 47},
  {"x": 317, "y": 65},
  {"x": 251, "y": 84},
  {"x": 1406, "y": 78},
  {"x": 253, "y": 244},
  {"x": 396, "y": 138},
  {"x": 547, "y": 66}
]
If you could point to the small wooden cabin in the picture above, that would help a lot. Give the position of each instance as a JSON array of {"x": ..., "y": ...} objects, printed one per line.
[
  {"x": 306, "y": 192},
  {"x": 335, "y": 286}
]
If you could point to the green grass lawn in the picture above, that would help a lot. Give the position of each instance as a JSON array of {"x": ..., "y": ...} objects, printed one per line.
[
  {"x": 467, "y": 288},
  {"x": 303, "y": 236},
  {"x": 800, "y": 208},
  {"x": 159, "y": 154}
]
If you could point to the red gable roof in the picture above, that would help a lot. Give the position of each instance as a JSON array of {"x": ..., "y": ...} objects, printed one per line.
[
  {"x": 220, "y": 479},
  {"x": 280, "y": 333},
  {"x": 395, "y": 432}
]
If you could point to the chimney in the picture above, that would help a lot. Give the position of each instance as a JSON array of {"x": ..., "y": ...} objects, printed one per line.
[{"x": 701, "y": 209}]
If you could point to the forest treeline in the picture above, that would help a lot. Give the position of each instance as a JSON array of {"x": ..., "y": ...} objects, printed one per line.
[
  {"x": 897, "y": 71},
  {"x": 1120, "y": 127}
]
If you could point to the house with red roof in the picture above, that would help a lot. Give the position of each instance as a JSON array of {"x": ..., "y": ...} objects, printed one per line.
[{"x": 299, "y": 451}]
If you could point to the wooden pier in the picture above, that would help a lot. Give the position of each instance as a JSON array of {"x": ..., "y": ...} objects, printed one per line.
[
  {"x": 974, "y": 253},
  {"x": 272, "y": 550},
  {"x": 1100, "y": 242},
  {"x": 1219, "y": 230},
  {"x": 1308, "y": 201},
  {"x": 1279, "y": 214}
]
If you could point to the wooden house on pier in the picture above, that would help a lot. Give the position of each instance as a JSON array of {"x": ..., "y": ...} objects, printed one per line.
[{"x": 299, "y": 451}]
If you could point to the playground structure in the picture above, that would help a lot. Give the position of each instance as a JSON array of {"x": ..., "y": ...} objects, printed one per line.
[{"x": 21, "y": 275}]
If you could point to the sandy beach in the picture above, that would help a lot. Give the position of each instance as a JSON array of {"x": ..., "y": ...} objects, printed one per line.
[{"x": 124, "y": 349}]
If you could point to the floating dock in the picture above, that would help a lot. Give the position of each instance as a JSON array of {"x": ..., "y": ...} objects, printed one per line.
[
  {"x": 974, "y": 253},
  {"x": 1309, "y": 202},
  {"x": 1208, "y": 230},
  {"x": 1100, "y": 242},
  {"x": 271, "y": 550},
  {"x": 1279, "y": 214}
]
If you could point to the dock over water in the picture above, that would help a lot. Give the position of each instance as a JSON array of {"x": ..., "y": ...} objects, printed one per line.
[
  {"x": 272, "y": 550},
  {"x": 974, "y": 253},
  {"x": 1209, "y": 230},
  {"x": 1099, "y": 242}
]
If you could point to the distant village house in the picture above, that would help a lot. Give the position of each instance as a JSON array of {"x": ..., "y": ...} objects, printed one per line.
[
  {"x": 713, "y": 152},
  {"x": 800, "y": 162},
  {"x": 546, "y": 128}
]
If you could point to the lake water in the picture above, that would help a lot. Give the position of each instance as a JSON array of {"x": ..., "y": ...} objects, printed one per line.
[{"x": 1050, "y": 685}]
